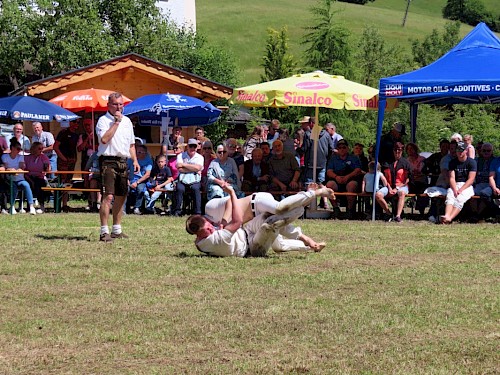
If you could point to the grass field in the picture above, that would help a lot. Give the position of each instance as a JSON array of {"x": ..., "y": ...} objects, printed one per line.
[
  {"x": 413, "y": 298},
  {"x": 241, "y": 26}
]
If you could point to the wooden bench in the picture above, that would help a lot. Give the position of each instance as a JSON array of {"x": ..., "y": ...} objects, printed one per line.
[{"x": 61, "y": 190}]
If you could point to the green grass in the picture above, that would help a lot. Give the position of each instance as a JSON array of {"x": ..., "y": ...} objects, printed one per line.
[
  {"x": 241, "y": 27},
  {"x": 381, "y": 298}
]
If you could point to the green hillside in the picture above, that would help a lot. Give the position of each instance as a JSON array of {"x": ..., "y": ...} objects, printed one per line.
[{"x": 241, "y": 26}]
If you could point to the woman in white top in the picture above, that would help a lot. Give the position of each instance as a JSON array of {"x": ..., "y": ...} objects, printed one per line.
[{"x": 15, "y": 161}]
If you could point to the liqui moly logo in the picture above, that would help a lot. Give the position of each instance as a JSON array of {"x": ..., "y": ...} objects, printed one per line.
[
  {"x": 311, "y": 85},
  {"x": 393, "y": 90}
]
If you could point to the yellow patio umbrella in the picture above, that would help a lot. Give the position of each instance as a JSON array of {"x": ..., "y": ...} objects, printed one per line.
[{"x": 316, "y": 89}]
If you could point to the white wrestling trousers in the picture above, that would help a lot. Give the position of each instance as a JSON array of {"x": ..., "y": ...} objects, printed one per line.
[
  {"x": 262, "y": 203},
  {"x": 275, "y": 232}
]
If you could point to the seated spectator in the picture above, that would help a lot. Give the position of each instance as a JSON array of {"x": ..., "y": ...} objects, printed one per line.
[
  {"x": 398, "y": 176},
  {"x": 159, "y": 178},
  {"x": 94, "y": 182},
  {"x": 482, "y": 186},
  {"x": 418, "y": 182},
  {"x": 288, "y": 142},
  {"x": 471, "y": 151},
  {"x": 173, "y": 139},
  {"x": 38, "y": 165},
  {"x": 359, "y": 152},
  {"x": 189, "y": 164},
  {"x": 200, "y": 135},
  {"x": 222, "y": 172},
  {"x": 367, "y": 185},
  {"x": 138, "y": 180},
  {"x": 47, "y": 140},
  {"x": 4, "y": 187},
  {"x": 252, "y": 142},
  {"x": 284, "y": 170},
  {"x": 232, "y": 151},
  {"x": 266, "y": 151},
  {"x": 494, "y": 180},
  {"x": 343, "y": 171},
  {"x": 14, "y": 161},
  {"x": 462, "y": 173},
  {"x": 432, "y": 165},
  {"x": 255, "y": 173},
  {"x": 208, "y": 155},
  {"x": 442, "y": 182},
  {"x": 172, "y": 160}
]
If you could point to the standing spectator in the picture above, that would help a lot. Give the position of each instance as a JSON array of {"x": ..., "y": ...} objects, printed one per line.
[
  {"x": 173, "y": 139},
  {"x": 232, "y": 151},
  {"x": 13, "y": 161},
  {"x": 306, "y": 124},
  {"x": 494, "y": 180},
  {"x": 274, "y": 132},
  {"x": 252, "y": 142},
  {"x": 86, "y": 142},
  {"x": 285, "y": 171},
  {"x": 343, "y": 173},
  {"x": 255, "y": 173},
  {"x": 65, "y": 147},
  {"x": 190, "y": 165},
  {"x": 115, "y": 133},
  {"x": 222, "y": 172},
  {"x": 325, "y": 150},
  {"x": 336, "y": 137},
  {"x": 288, "y": 143},
  {"x": 138, "y": 179},
  {"x": 38, "y": 165},
  {"x": 398, "y": 176},
  {"x": 461, "y": 175},
  {"x": 471, "y": 152},
  {"x": 23, "y": 140},
  {"x": 200, "y": 135},
  {"x": 47, "y": 140},
  {"x": 3, "y": 145},
  {"x": 387, "y": 142}
]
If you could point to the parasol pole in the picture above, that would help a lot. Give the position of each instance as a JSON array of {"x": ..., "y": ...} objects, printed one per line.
[{"x": 315, "y": 138}]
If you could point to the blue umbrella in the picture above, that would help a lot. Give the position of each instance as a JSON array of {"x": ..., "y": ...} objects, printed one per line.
[
  {"x": 181, "y": 110},
  {"x": 30, "y": 108}
]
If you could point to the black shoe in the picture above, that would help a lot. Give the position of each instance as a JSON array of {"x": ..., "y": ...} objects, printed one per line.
[
  {"x": 105, "y": 237},
  {"x": 388, "y": 218},
  {"x": 119, "y": 235}
]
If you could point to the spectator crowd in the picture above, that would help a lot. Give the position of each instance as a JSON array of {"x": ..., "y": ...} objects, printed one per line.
[{"x": 187, "y": 174}]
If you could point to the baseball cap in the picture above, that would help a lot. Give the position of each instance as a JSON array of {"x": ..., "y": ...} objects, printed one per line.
[
  {"x": 400, "y": 128},
  {"x": 342, "y": 142},
  {"x": 461, "y": 146},
  {"x": 192, "y": 141}
]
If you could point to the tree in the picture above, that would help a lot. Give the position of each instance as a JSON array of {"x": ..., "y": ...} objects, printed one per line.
[
  {"x": 435, "y": 45},
  {"x": 277, "y": 62},
  {"x": 17, "y": 20},
  {"x": 328, "y": 41}
]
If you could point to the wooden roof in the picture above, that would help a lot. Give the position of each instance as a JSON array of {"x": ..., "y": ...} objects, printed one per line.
[{"x": 133, "y": 75}]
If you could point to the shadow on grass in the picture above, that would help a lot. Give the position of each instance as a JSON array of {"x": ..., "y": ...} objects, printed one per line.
[
  {"x": 183, "y": 254},
  {"x": 76, "y": 238}
]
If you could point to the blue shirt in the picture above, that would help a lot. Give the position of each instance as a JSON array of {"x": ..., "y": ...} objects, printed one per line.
[
  {"x": 145, "y": 165},
  {"x": 343, "y": 167},
  {"x": 495, "y": 167}
]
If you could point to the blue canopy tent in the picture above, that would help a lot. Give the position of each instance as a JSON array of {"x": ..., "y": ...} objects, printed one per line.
[{"x": 467, "y": 74}]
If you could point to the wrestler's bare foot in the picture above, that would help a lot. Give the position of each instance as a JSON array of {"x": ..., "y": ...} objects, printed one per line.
[
  {"x": 317, "y": 247},
  {"x": 326, "y": 192},
  {"x": 312, "y": 186}
]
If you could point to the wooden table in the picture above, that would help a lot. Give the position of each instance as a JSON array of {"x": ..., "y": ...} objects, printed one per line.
[{"x": 59, "y": 191}]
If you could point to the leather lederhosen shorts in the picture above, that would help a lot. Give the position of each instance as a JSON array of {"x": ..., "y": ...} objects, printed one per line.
[{"x": 114, "y": 175}]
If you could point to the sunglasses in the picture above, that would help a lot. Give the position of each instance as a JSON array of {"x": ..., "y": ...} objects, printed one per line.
[
  {"x": 207, "y": 148},
  {"x": 222, "y": 152},
  {"x": 193, "y": 146}
]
